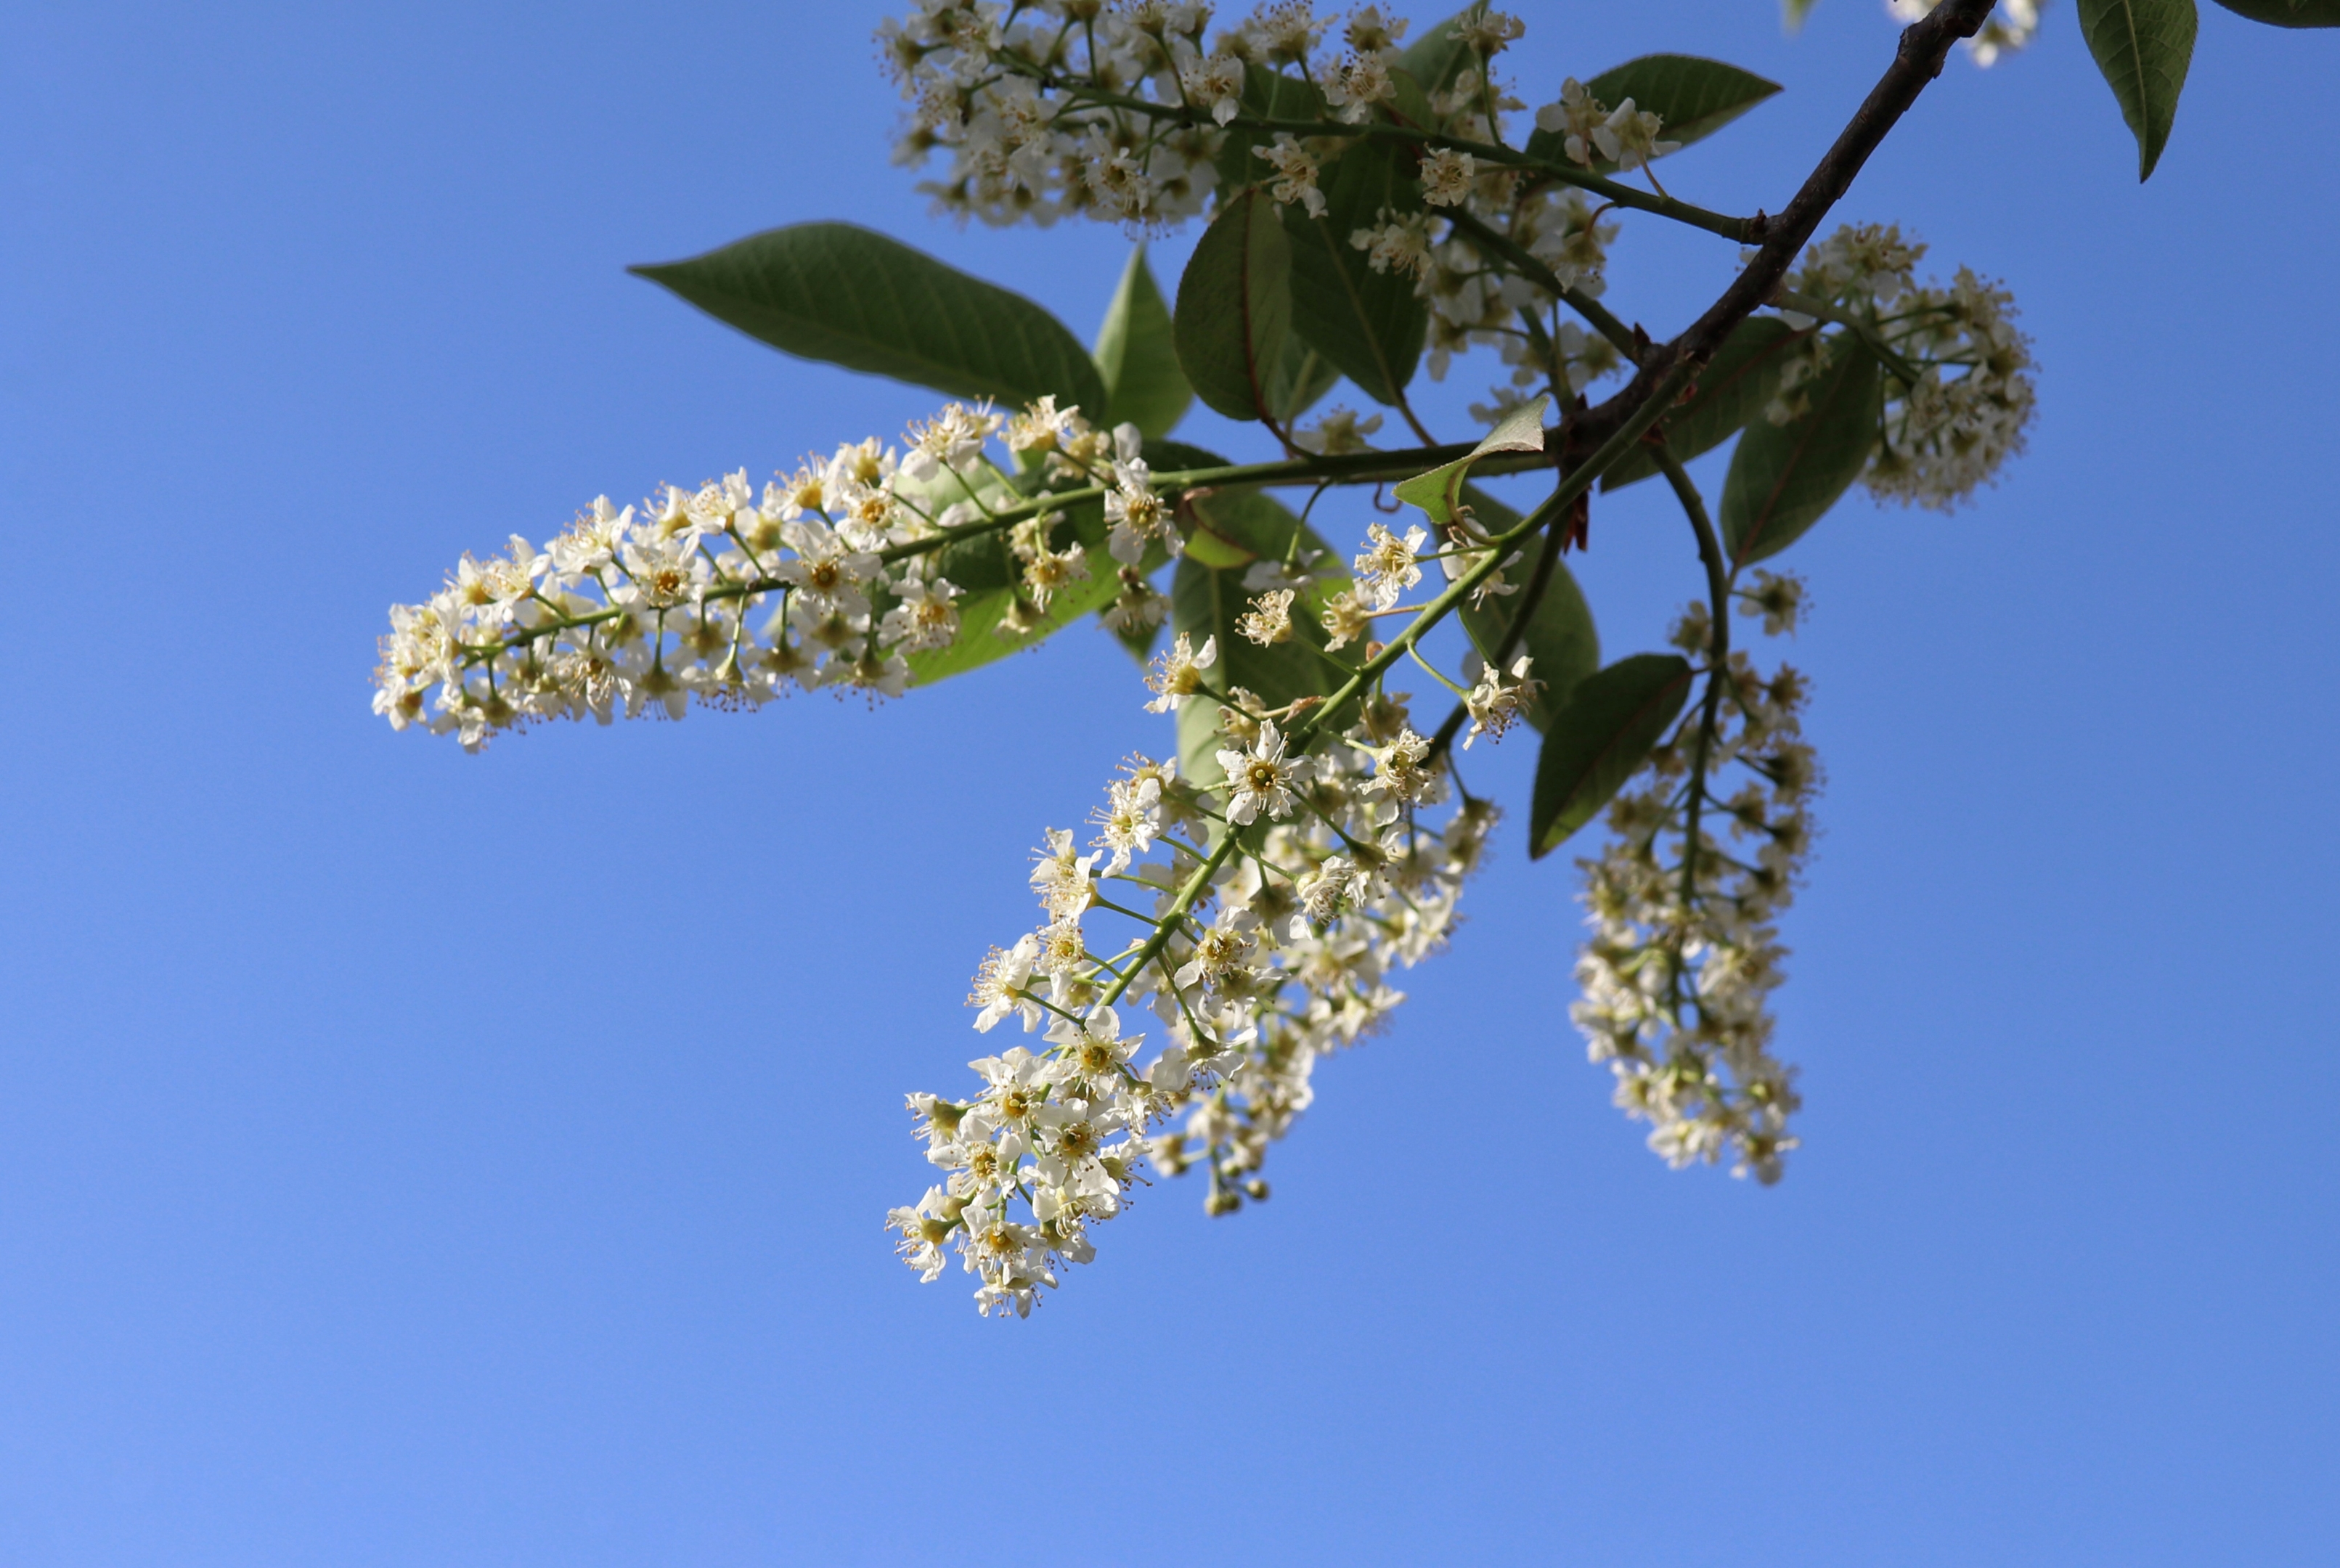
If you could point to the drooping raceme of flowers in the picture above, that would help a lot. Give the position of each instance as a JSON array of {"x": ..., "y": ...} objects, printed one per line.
[
  {"x": 1198, "y": 1049},
  {"x": 1678, "y": 970},
  {"x": 1120, "y": 112}
]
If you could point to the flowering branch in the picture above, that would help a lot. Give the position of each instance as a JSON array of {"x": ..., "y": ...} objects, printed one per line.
[
  {"x": 1371, "y": 215},
  {"x": 1925, "y": 46}
]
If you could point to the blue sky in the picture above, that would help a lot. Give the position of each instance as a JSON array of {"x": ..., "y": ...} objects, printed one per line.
[{"x": 412, "y": 1157}]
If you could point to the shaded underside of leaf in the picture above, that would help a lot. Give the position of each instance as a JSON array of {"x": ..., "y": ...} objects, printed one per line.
[
  {"x": 1369, "y": 324},
  {"x": 1598, "y": 738},
  {"x": 1436, "y": 57},
  {"x": 853, "y": 297},
  {"x": 1728, "y": 393},
  {"x": 1206, "y": 601},
  {"x": 1559, "y": 636},
  {"x": 1138, "y": 357},
  {"x": 1784, "y": 478},
  {"x": 2143, "y": 47},
  {"x": 981, "y": 639},
  {"x": 989, "y": 578},
  {"x": 1272, "y": 96},
  {"x": 1235, "y": 307},
  {"x": 2287, "y": 12},
  {"x": 1300, "y": 379}
]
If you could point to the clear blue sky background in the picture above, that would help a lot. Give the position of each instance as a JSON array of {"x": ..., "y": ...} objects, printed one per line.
[{"x": 408, "y": 1157}]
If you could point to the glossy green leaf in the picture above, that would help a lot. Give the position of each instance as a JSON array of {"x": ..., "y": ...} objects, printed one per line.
[
  {"x": 1559, "y": 635},
  {"x": 1272, "y": 96},
  {"x": 855, "y": 298},
  {"x": 1728, "y": 393},
  {"x": 1369, "y": 324},
  {"x": 1694, "y": 98},
  {"x": 1598, "y": 738},
  {"x": 1438, "y": 492},
  {"x": 1235, "y": 307},
  {"x": 2143, "y": 47},
  {"x": 1784, "y": 478},
  {"x": 2287, "y": 12},
  {"x": 1137, "y": 357}
]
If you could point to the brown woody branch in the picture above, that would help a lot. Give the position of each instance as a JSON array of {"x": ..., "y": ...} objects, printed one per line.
[{"x": 1925, "y": 45}]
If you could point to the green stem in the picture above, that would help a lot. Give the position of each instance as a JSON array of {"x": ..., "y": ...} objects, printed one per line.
[
  {"x": 1486, "y": 240},
  {"x": 1579, "y": 480},
  {"x": 1805, "y": 304},
  {"x": 1718, "y": 588},
  {"x": 1740, "y": 229}
]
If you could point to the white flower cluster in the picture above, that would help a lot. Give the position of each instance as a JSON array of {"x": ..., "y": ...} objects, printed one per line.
[
  {"x": 974, "y": 75},
  {"x": 1678, "y": 974},
  {"x": 1257, "y": 955},
  {"x": 2013, "y": 24},
  {"x": 640, "y": 609},
  {"x": 1973, "y": 398},
  {"x": 1118, "y": 111}
]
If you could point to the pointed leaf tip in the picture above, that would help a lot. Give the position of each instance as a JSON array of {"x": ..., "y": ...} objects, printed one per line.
[
  {"x": 1438, "y": 492},
  {"x": 1137, "y": 354},
  {"x": 856, "y": 298},
  {"x": 2144, "y": 48}
]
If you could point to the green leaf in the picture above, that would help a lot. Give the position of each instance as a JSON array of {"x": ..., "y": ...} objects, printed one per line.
[
  {"x": 1369, "y": 324},
  {"x": 980, "y": 638},
  {"x": 2287, "y": 12},
  {"x": 1408, "y": 105},
  {"x": 1271, "y": 96},
  {"x": 1438, "y": 492},
  {"x": 1598, "y": 738},
  {"x": 1300, "y": 379},
  {"x": 1728, "y": 393},
  {"x": 1435, "y": 59},
  {"x": 855, "y": 298},
  {"x": 1793, "y": 12},
  {"x": 989, "y": 578},
  {"x": 1206, "y": 601},
  {"x": 1559, "y": 635},
  {"x": 2143, "y": 47},
  {"x": 1694, "y": 98},
  {"x": 1138, "y": 642},
  {"x": 1784, "y": 477},
  {"x": 1235, "y": 307},
  {"x": 1138, "y": 359}
]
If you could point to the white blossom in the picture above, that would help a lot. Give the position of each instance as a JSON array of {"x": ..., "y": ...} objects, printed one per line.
[{"x": 1283, "y": 961}]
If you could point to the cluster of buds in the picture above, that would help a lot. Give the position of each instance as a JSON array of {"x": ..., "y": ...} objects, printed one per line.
[
  {"x": 1261, "y": 914},
  {"x": 825, "y": 579}
]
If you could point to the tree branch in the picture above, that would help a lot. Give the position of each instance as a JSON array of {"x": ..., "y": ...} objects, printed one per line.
[{"x": 1925, "y": 45}]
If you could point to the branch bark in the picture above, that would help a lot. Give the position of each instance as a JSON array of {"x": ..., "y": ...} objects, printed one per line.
[{"x": 1925, "y": 45}]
